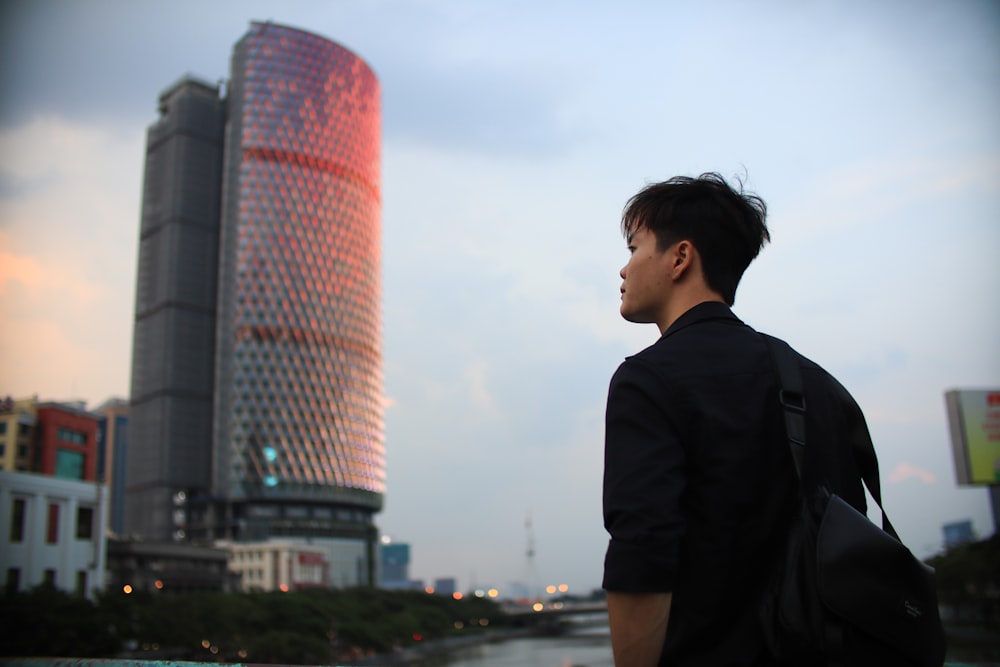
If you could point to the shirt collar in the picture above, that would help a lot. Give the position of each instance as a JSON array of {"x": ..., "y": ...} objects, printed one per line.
[{"x": 706, "y": 310}]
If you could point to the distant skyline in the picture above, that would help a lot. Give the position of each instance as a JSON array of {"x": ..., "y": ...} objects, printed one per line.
[{"x": 513, "y": 134}]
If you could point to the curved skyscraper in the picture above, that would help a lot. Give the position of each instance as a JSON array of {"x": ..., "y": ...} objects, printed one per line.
[{"x": 297, "y": 409}]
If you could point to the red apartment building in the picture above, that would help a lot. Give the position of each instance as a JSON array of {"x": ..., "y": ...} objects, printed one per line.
[{"x": 65, "y": 442}]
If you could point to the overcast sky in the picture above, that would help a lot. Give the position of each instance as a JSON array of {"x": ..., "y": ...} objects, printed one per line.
[{"x": 513, "y": 133}]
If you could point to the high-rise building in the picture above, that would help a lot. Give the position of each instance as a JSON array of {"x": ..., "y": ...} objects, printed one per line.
[
  {"x": 173, "y": 348},
  {"x": 958, "y": 532},
  {"x": 394, "y": 566},
  {"x": 112, "y": 454},
  {"x": 445, "y": 586},
  {"x": 257, "y": 365}
]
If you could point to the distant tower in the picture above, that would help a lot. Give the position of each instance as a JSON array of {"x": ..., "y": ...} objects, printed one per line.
[
  {"x": 531, "y": 574},
  {"x": 394, "y": 559},
  {"x": 257, "y": 397}
]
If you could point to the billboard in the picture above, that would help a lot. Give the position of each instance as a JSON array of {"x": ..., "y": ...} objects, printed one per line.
[{"x": 974, "y": 419}]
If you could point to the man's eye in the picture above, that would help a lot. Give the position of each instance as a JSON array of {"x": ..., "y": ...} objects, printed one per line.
[{"x": 631, "y": 250}]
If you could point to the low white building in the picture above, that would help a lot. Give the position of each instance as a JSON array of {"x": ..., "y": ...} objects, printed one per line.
[
  {"x": 52, "y": 531},
  {"x": 278, "y": 565}
]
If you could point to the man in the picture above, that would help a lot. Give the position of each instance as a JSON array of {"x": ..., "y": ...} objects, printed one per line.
[{"x": 699, "y": 485}]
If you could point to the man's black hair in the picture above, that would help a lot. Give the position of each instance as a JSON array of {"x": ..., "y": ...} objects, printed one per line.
[{"x": 726, "y": 225}]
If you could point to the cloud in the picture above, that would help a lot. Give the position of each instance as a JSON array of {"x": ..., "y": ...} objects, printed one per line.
[
  {"x": 69, "y": 197},
  {"x": 873, "y": 190},
  {"x": 476, "y": 384},
  {"x": 905, "y": 471},
  {"x": 474, "y": 109},
  {"x": 39, "y": 278}
]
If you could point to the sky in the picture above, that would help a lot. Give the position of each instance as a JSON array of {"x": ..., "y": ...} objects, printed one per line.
[{"x": 513, "y": 134}]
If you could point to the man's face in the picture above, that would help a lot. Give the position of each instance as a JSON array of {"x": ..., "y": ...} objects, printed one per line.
[{"x": 645, "y": 279}]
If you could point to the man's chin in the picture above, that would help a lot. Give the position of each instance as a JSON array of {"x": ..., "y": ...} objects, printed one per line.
[{"x": 634, "y": 318}]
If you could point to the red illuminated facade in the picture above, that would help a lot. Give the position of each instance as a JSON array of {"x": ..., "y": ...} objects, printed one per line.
[
  {"x": 299, "y": 413},
  {"x": 65, "y": 442}
]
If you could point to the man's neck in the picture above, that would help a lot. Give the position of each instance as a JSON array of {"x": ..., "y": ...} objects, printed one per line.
[{"x": 684, "y": 303}]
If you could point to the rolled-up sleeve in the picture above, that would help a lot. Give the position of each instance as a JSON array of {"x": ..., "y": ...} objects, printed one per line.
[{"x": 643, "y": 482}]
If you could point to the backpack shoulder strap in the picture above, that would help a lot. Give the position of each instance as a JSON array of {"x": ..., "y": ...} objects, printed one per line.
[
  {"x": 793, "y": 402},
  {"x": 792, "y": 397}
]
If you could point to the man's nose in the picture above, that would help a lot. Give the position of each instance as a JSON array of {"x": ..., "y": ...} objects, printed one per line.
[{"x": 622, "y": 272}]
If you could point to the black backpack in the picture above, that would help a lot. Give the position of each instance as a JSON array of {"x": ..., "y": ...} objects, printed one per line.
[{"x": 846, "y": 592}]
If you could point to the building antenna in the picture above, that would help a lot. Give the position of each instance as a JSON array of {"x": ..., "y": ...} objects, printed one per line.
[
  {"x": 530, "y": 553},
  {"x": 530, "y": 557}
]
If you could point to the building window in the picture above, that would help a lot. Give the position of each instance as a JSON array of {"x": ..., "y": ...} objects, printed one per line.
[
  {"x": 13, "y": 580},
  {"x": 74, "y": 437},
  {"x": 84, "y": 523},
  {"x": 17, "y": 521},
  {"x": 81, "y": 582},
  {"x": 69, "y": 465},
  {"x": 52, "y": 526},
  {"x": 3, "y": 427},
  {"x": 49, "y": 578}
]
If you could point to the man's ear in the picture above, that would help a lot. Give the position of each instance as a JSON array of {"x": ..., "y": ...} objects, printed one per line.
[{"x": 682, "y": 258}]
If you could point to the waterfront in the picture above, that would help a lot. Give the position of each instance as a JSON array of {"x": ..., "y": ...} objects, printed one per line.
[
  {"x": 590, "y": 646},
  {"x": 568, "y": 651},
  {"x": 585, "y": 643}
]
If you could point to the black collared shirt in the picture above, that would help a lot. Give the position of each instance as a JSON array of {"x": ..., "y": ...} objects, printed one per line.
[{"x": 698, "y": 481}]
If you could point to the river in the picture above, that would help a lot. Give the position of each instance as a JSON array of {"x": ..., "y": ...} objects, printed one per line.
[
  {"x": 567, "y": 651},
  {"x": 591, "y": 647},
  {"x": 586, "y": 643}
]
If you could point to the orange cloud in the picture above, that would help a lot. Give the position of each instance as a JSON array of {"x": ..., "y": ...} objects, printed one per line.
[
  {"x": 906, "y": 471},
  {"x": 21, "y": 269},
  {"x": 37, "y": 274}
]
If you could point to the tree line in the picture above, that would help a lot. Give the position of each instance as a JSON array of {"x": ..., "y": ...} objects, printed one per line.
[{"x": 313, "y": 626}]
